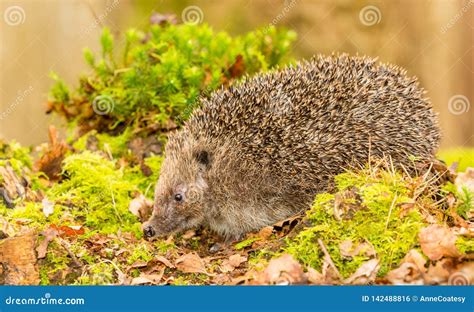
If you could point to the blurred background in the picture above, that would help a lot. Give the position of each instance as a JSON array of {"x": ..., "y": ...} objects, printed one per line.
[{"x": 432, "y": 39}]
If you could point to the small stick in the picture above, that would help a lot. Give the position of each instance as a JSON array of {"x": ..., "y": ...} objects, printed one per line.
[
  {"x": 65, "y": 245},
  {"x": 327, "y": 257},
  {"x": 390, "y": 211}
]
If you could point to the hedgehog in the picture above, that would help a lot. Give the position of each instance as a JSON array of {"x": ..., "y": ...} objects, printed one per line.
[{"x": 259, "y": 151}]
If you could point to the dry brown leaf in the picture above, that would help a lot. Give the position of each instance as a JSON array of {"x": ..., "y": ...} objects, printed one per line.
[
  {"x": 51, "y": 161},
  {"x": 153, "y": 279},
  {"x": 283, "y": 270},
  {"x": 411, "y": 270},
  {"x": 415, "y": 257},
  {"x": 348, "y": 249},
  {"x": 439, "y": 272},
  {"x": 141, "y": 207},
  {"x": 406, "y": 273},
  {"x": 233, "y": 262},
  {"x": 189, "y": 234},
  {"x": 315, "y": 277},
  {"x": 465, "y": 179},
  {"x": 265, "y": 233},
  {"x": 138, "y": 264},
  {"x": 164, "y": 261},
  {"x": 365, "y": 274},
  {"x": 438, "y": 241},
  {"x": 49, "y": 234},
  {"x": 191, "y": 263}
]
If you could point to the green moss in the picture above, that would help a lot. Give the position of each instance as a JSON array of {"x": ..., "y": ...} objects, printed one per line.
[
  {"x": 101, "y": 273},
  {"x": 465, "y": 198},
  {"x": 245, "y": 243},
  {"x": 369, "y": 212},
  {"x": 466, "y": 202},
  {"x": 97, "y": 193},
  {"x": 465, "y": 244},
  {"x": 162, "y": 72},
  {"x": 462, "y": 155},
  {"x": 116, "y": 146},
  {"x": 140, "y": 252},
  {"x": 162, "y": 246},
  {"x": 13, "y": 151}
]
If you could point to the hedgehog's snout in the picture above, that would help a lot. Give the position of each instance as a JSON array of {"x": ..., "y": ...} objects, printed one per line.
[{"x": 149, "y": 231}]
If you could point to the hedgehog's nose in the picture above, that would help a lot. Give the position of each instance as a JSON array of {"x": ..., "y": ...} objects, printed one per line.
[{"x": 149, "y": 231}]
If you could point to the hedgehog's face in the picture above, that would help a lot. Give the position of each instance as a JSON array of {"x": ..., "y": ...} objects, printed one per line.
[{"x": 179, "y": 193}]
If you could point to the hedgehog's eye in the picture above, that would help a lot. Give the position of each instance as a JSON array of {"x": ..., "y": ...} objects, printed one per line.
[{"x": 178, "y": 197}]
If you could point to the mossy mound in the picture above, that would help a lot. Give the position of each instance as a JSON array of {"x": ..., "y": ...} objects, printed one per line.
[
  {"x": 372, "y": 214},
  {"x": 155, "y": 82}
]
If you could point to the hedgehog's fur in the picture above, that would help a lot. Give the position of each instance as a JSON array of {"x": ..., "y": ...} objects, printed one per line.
[{"x": 258, "y": 152}]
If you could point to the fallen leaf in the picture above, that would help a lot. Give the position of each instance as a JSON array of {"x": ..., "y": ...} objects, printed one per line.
[
  {"x": 265, "y": 233},
  {"x": 415, "y": 257},
  {"x": 439, "y": 272},
  {"x": 141, "y": 207},
  {"x": 68, "y": 230},
  {"x": 49, "y": 234},
  {"x": 191, "y": 263},
  {"x": 348, "y": 250},
  {"x": 315, "y": 277},
  {"x": 48, "y": 207},
  {"x": 465, "y": 180},
  {"x": 233, "y": 262},
  {"x": 139, "y": 264},
  {"x": 406, "y": 273},
  {"x": 238, "y": 68},
  {"x": 51, "y": 161},
  {"x": 189, "y": 234},
  {"x": 164, "y": 261},
  {"x": 438, "y": 241},
  {"x": 152, "y": 279},
  {"x": 365, "y": 274},
  {"x": 283, "y": 270},
  {"x": 411, "y": 270}
]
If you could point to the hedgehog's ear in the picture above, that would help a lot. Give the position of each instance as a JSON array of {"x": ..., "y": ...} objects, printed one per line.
[{"x": 203, "y": 158}]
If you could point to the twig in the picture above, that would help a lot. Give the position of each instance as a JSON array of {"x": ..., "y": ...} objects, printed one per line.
[
  {"x": 390, "y": 211},
  {"x": 328, "y": 259},
  {"x": 65, "y": 245}
]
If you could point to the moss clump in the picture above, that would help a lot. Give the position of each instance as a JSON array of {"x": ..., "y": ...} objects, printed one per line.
[
  {"x": 102, "y": 273},
  {"x": 367, "y": 209},
  {"x": 160, "y": 75},
  {"x": 141, "y": 252},
  {"x": 13, "y": 151},
  {"x": 463, "y": 156},
  {"x": 97, "y": 193},
  {"x": 465, "y": 245}
]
